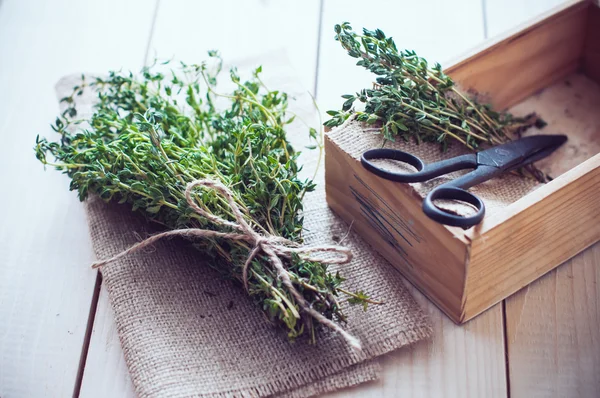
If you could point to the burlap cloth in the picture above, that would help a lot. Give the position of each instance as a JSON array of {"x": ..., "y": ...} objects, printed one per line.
[
  {"x": 187, "y": 332},
  {"x": 355, "y": 138}
]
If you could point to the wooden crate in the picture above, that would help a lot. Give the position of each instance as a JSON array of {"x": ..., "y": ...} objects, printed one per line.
[{"x": 464, "y": 272}]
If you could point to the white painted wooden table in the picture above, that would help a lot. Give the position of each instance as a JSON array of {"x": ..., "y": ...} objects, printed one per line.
[{"x": 57, "y": 334}]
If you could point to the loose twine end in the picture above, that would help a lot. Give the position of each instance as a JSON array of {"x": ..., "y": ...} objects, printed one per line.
[{"x": 274, "y": 247}]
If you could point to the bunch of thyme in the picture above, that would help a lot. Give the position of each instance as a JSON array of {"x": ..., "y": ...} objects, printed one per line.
[
  {"x": 410, "y": 99},
  {"x": 151, "y": 135}
]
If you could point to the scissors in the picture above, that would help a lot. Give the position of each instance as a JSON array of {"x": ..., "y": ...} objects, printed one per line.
[{"x": 487, "y": 164}]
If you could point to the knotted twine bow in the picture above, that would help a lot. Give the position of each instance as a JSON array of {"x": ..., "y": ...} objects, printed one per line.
[{"x": 275, "y": 247}]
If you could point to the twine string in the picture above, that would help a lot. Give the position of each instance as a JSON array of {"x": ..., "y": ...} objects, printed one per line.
[{"x": 274, "y": 247}]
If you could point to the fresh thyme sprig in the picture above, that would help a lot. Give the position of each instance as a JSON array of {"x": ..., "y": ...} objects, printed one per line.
[
  {"x": 412, "y": 100},
  {"x": 151, "y": 135}
]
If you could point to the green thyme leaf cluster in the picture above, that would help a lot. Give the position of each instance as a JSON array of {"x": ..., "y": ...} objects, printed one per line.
[
  {"x": 151, "y": 134},
  {"x": 413, "y": 100}
]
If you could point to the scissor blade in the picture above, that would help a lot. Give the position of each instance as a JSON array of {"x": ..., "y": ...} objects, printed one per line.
[{"x": 521, "y": 152}]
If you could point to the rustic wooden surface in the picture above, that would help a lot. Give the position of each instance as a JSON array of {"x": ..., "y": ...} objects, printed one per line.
[
  {"x": 542, "y": 342},
  {"x": 553, "y": 332},
  {"x": 45, "y": 287},
  {"x": 546, "y": 50}
]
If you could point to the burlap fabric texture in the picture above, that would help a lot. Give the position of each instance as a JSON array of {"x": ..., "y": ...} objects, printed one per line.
[
  {"x": 354, "y": 138},
  {"x": 187, "y": 332}
]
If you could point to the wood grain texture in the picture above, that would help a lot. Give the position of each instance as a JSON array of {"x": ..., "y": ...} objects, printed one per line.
[
  {"x": 559, "y": 220},
  {"x": 186, "y": 30},
  {"x": 553, "y": 332},
  {"x": 389, "y": 217},
  {"x": 553, "y": 324},
  {"x": 106, "y": 373},
  {"x": 504, "y": 15},
  {"x": 509, "y": 69},
  {"x": 465, "y": 361},
  {"x": 527, "y": 228},
  {"x": 591, "y": 52},
  {"x": 46, "y": 284}
]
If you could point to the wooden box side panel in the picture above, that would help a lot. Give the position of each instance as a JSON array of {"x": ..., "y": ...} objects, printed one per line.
[
  {"x": 538, "y": 233},
  {"x": 591, "y": 56},
  {"x": 388, "y": 216},
  {"x": 518, "y": 66}
]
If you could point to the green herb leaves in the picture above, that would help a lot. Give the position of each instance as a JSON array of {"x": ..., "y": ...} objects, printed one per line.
[
  {"x": 150, "y": 135},
  {"x": 412, "y": 100}
]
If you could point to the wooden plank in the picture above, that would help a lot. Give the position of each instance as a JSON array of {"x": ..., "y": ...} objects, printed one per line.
[
  {"x": 459, "y": 361},
  {"x": 553, "y": 332},
  {"x": 513, "y": 67},
  {"x": 239, "y": 30},
  {"x": 250, "y": 28},
  {"x": 46, "y": 284},
  {"x": 530, "y": 242},
  {"x": 553, "y": 325},
  {"x": 504, "y": 15},
  {"x": 591, "y": 56},
  {"x": 438, "y": 30},
  {"x": 106, "y": 373}
]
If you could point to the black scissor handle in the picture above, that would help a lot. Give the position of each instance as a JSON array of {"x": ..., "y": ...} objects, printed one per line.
[
  {"x": 453, "y": 193},
  {"x": 392, "y": 154},
  {"x": 424, "y": 171},
  {"x": 449, "y": 190}
]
